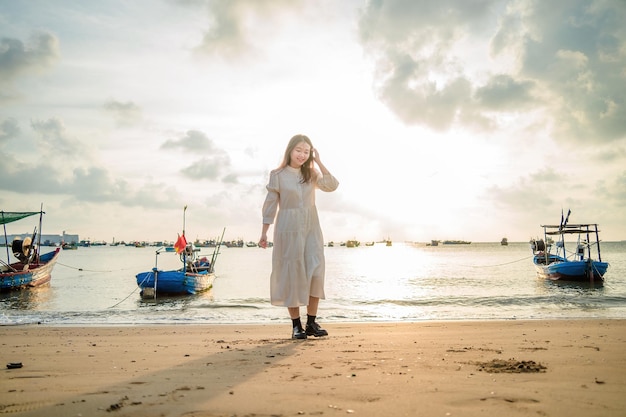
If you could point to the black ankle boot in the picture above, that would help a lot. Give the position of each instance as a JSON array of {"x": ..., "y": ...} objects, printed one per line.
[
  {"x": 298, "y": 333},
  {"x": 314, "y": 329}
]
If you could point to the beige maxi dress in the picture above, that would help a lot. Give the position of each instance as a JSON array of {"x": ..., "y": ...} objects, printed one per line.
[{"x": 298, "y": 264}]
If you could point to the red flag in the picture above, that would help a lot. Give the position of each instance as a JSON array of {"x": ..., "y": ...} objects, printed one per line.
[{"x": 181, "y": 244}]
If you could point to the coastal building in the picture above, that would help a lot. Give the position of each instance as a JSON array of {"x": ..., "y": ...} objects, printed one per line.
[{"x": 46, "y": 239}]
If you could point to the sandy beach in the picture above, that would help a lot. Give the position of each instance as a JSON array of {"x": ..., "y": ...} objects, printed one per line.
[{"x": 508, "y": 368}]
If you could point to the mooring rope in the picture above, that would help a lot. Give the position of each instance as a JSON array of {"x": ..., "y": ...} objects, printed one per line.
[
  {"x": 506, "y": 263},
  {"x": 91, "y": 270},
  {"x": 132, "y": 292}
]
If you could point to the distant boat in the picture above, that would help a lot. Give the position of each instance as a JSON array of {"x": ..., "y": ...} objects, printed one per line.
[
  {"x": 251, "y": 244},
  {"x": 369, "y": 243},
  {"x": 562, "y": 262},
  {"x": 353, "y": 244},
  {"x": 32, "y": 269},
  {"x": 69, "y": 246},
  {"x": 234, "y": 243},
  {"x": 504, "y": 241},
  {"x": 433, "y": 243}
]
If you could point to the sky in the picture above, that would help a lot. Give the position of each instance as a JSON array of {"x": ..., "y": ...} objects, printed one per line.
[{"x": 443, "y": 119}]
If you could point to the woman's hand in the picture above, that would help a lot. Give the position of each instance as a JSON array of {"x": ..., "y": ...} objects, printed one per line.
[
  {"x": 263, "y": 241},
  {"x": 318, "y": 161},
  {"x": 316, "y": 156}
]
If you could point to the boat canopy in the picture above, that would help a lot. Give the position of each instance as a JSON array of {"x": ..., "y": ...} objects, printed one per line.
[
  {"x": 13, "y": 216},
  {"x": 571, "y": 229}
]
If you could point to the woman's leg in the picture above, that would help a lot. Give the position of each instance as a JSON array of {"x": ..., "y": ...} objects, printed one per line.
[
  {"x": 294, "y": 312},
  {"x": 311, "y": 309}
]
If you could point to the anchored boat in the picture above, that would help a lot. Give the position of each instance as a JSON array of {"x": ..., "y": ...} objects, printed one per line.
[
  {"x": 196, "y": 275},
  {"x": 31, "y": 269},
  {"x": 576, "y": 259}
]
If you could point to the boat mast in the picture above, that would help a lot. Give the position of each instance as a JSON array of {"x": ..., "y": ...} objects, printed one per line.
[
  {"x": 598, "y": 242},
  {"x": 36, "y": 257},
  {"x": 5, "y": 235}
]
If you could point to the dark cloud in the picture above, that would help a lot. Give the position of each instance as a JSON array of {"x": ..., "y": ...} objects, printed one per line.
[
  {"x": 503, "y": 91},
  {"x": 424, "y": 102},
  {"x": 566, "y": 58},
  {"x": 417, "y": 75},
  {"x": 125, "y": 114},
  {"x": 84, "y": 184},
  {"x": 9, "y": 129},
  {"x": 214, "y": 163},
  {"x": 575, "y": 51},
  {"x": 17, "y": 57}
]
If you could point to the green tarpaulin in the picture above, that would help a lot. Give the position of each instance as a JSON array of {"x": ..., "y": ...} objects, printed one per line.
[{"x": 12, "y": 216}]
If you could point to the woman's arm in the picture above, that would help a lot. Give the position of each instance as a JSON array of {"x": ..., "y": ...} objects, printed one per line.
[{"x": 327, "y": 182}]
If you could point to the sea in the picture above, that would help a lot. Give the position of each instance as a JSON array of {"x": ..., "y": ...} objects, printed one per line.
[{"x": 404, "y": 282}]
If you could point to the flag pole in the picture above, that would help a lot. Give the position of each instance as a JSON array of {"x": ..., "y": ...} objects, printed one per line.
[{"x": 185, "y": 239}]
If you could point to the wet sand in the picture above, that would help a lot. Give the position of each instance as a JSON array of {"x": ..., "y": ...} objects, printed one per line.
[{"x": 479, "y": 368}]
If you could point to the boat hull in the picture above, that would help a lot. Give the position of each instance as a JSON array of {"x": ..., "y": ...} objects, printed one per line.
[
  {"x": 35, "y": 275},
  {"x": 563, "y": 270},
  {"x": 174, "y": 282}
]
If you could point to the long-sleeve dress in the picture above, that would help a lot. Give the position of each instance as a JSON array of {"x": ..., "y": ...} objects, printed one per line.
[{"x": 298, "y": 264}]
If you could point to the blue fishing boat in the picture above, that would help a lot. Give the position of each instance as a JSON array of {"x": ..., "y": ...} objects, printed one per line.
[
  {"x": 194, "y": 278},
  {"x": 196, "y": 275},
  {"x": 32, "y": 269},
  {"x": 576, "y": 260}
]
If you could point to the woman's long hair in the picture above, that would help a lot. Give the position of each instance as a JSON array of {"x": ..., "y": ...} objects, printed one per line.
[{"x": 307, "y": 167}]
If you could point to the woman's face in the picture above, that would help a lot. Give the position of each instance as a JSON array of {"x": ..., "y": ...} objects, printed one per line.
[{"x": 300, "y": 154}]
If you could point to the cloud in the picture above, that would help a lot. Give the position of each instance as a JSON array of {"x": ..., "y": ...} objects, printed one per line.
[
  {"x": 92, "y": 184},
  {"x": 575, "y": 51},
  {"x": 16, "y": 57},
  {"x": 210, "y": 167},
  {"x": 503, "y": 91},
  {"x": 617, "y": 190},
  {"x": 193, "y": 141},
  {"x": 453, "y": 63},
  {"x": 536, "y": 192},
  {"x": 9, "y": 129},
  {"x": 54, "y": 138},
  {"x": 230, "y": 34},
  {"x": 125, "y": 114}
]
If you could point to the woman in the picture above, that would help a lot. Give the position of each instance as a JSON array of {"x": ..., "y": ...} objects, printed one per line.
[{"x": 298, "y": 264}]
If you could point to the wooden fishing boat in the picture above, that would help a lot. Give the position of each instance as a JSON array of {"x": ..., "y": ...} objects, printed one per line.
[
  {"x": 196, "y": 275},
  {"x": 32, "y": 269},
  {"x": 577, "y": 260}
]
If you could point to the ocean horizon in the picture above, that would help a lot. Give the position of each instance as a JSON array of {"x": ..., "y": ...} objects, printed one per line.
[{"x": 404, "y": 282}]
